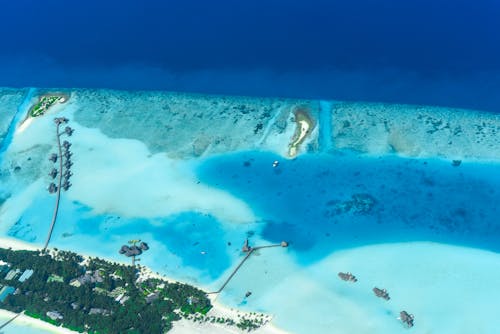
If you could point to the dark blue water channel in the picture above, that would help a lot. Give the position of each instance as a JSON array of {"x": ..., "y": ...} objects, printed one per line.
[{"x": 321, "y": 203}]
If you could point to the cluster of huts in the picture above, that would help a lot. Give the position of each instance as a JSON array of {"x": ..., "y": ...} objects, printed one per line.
[
  {"x": 65, "y": 157},
  {"x": 11, "y": 274},
  {"x": 133, "y": 250},
  {"x": 405, "y": 317}
]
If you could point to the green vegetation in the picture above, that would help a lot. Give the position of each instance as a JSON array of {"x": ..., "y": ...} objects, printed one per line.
[
  {"x": 44, "y": 103},
  {"x": 97, "y": 296}
]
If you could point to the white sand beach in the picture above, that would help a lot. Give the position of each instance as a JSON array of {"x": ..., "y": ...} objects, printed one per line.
[
  {"x": 6, "y": 242},
  {"x": 188, "y": 327},
  {"x": 27, "y": 325}
]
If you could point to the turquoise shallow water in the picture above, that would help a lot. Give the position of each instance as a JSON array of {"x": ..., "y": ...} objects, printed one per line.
[
  {"x": 324, "y": 204},
  {"x": 304, "y": 201}
]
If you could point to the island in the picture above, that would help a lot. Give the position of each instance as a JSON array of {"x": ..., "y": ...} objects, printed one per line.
[
  {"x": 304, "y": 125},
  {"x": 45, "y": 102},
  {"x": 92, "y": 295}
]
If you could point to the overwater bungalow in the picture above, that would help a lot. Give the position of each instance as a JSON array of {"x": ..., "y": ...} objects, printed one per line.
[
  {"x": 60, "y": 120},
  {"x": 67, "y": 174},
  {"x": 69, "y": 131},
  {"x": 144, "y": 246},
  {"x": 246, "y": 248},
  {"x": 130, "y": 251},
  {"x": 133, "y": 251},
  {"x": 68, "y": 164},
  {"x": 53, "y": 157},
  {"x": 53, "y": 173},
  {"x": 407, "y": 318},
  {"x": 67, "y": 154},
  {"x": 52, "y": 188},
  {"x": 66, "y": 144},
  {"x": 66, "y": 185},
  {"x": 381, "y": 293},
  {"x": 123, "y": 249},
  {"x": 348, "y": 277}
]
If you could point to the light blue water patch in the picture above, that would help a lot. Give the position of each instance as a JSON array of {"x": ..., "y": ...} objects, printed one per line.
[
  {"x": 35, "y": 220},
  {"x": 198, "y": 240},
  {"x": 19, "y": 116},
  {"x": 325, "y": 126},
  {"x": 323, "y": 202}
]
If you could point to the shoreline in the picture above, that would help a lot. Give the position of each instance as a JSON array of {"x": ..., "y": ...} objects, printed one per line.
[
  {"x": 185, "y": 326},
  {"x": 182, "y": 326},
  {"x": 304, "y": 124},
  {"x": 16, "y": 244},
  {"x": 25, "y": 320}
]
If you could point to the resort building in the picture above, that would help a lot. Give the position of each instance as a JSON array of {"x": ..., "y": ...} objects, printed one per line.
[
  {"x": 54, "y": 315},
  {"x": 12, "y": 274},
  {"x": 26, "y": 274},
  {"x": 5, "y": 291}
]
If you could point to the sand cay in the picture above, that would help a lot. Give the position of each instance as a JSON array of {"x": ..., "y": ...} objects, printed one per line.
[{"x": 193, "y": 176}]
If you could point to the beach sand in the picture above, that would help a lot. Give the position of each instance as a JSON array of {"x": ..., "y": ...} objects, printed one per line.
[
  {"x": 16, "y": 244},
  {"x": 219, "y": 310},
  {"x": 28, "y": 325}
]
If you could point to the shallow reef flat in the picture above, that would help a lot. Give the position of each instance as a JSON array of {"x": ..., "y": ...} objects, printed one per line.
[
  {"x": 416, "y": 131},
  {"x": 193, "y": 125},
  {"x": 196, "y": 175},
  {"x": 188, "y": 125},
  {"x": 10, "y": 100}
]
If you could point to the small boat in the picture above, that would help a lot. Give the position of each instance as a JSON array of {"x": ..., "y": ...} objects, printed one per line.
[{"x": 276, "y": 163}]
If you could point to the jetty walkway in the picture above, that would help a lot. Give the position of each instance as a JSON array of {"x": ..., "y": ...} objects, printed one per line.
[
  {"x": 10, "y": 320},
  {"x": 249, "y": 251},
  {"x": 59, "y": 121}
]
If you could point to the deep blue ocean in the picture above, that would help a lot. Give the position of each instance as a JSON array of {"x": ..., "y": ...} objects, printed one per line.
[{"x": 436, "y": 52}]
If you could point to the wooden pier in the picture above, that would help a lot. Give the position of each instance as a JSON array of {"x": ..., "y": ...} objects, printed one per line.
[
  {"x": 10, "y": 320},
  {"x": 249, "y": 251},
  {"x": 58, "y": 195}
]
